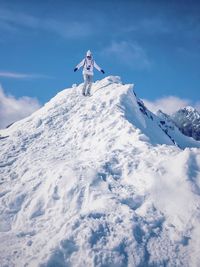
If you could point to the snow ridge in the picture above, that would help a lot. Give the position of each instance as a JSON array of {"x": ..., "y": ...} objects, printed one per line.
[{"x": 97, "y": 182}]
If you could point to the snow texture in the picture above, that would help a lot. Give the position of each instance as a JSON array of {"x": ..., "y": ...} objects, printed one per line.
[{"x": 97, "y": 181}]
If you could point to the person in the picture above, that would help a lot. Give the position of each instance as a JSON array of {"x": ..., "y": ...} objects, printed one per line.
[{"x": 88, "y": 65}]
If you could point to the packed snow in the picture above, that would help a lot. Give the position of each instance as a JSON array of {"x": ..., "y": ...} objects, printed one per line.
[{"x": 98, "y": 181}]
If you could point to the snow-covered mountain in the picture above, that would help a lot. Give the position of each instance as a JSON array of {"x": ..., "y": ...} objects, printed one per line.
[
  {"x": 98, "y": 181},
  {"x": 188, "y": 121},
  {"x": 169, "y": 126}
]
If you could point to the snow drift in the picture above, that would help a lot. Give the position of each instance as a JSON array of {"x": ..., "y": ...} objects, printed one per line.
[{"x": 98, "y": 181}]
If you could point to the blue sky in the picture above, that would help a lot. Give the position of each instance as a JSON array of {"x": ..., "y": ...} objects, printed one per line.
[{"x": 153, "y": 44}]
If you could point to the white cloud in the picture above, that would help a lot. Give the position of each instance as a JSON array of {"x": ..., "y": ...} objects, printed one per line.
[
  {"x": 13, "y": 109},
  {"x": 6, "y": 74},
  {"x": 130, "y": 54},
  {"x": 151, "y": 25},
  {"x": 71, "y": 29},
  {"x": 169, "y": 104},
  {"x": 13, "y": 22},
  {"x": 15, "y": 75}
]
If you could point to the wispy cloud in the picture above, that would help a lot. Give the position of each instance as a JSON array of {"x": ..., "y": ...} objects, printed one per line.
[
  {"x": 13, "y": 109},
  {"x": 169, "y": 104},
  {"x": 11, "y": 21},
  {"x": 15, "y": 75},
  {"x": 187, "y": 25},
  {"x": 131, "y": 54},
  {"x": 152, "y": 25},
  {"x": 72, "y": 29}
]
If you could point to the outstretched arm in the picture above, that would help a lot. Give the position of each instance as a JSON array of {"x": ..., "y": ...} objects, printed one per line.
[
  {"x": 79, "y": 65},
  {"x": 98, "y": 68}
]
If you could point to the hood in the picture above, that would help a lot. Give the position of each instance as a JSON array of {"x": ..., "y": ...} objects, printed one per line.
[{"x": 89, "y": 53}]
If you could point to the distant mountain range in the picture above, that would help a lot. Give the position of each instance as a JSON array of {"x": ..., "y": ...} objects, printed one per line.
[{"x": 188, "y": 121}]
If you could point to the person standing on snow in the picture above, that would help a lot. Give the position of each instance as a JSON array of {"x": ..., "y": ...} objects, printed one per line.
[{"x": 88, "y": 65}]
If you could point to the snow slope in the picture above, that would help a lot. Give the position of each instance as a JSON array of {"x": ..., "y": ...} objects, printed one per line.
[{"x": 96, "y": 182}]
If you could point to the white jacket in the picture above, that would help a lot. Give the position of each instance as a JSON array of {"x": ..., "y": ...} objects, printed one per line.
[{"x": 88, "y": 66}]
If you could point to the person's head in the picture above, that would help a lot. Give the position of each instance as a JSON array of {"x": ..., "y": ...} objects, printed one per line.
[{"x": 89, "y": 54}]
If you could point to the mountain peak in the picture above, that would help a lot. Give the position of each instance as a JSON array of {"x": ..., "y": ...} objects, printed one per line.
[
  {"x": 188, "y": 109},
  {"x": 113, "y": 79},
  {"x": 82, "y": 179},
  {"x": 188, "y": 121},
  {"x": 110, "y": 97}
]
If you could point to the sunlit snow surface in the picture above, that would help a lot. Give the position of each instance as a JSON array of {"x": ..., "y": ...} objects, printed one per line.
[{"x": 95, "y": 181}]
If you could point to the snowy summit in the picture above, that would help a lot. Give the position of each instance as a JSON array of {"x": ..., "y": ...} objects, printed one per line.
[{"x": 98, "y": 181}]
